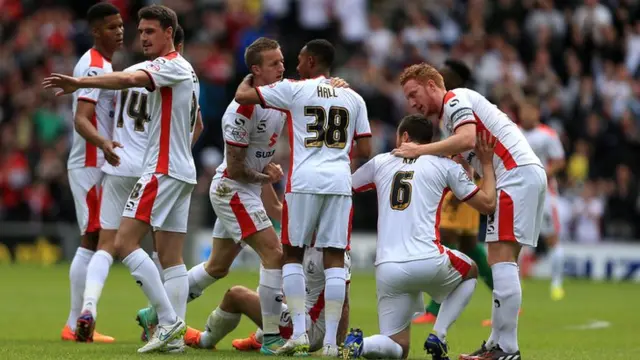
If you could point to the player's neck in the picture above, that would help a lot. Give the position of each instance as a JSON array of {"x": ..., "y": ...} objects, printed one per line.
[
  {"x": 167, "y": 50},
  {"x": 326, "y": 74},
  {"x": 107, "y": 54}
]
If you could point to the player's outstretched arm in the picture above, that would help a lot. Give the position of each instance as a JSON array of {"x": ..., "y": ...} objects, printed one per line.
[
  {"x": 462, "y": 140},
  {"x": 246, "y": 94},
  {"x": 485, "y": 199},
  {"x": 113, "y": 81}
]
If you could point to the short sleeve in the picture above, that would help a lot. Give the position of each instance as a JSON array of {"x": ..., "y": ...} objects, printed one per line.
[
  {"x": 164, "y": 72},
  {"x": 457, "y": 110},
  {"x": 460, "y": 183},
  {"x": 363, "y": 129},
  {"x": 236, "y": 128},
  {"x": 278, "y": 95},
  {"x": 556, "y": 151},
  {"x": 90, "y": 95},
  {"x": 363, "y": 179}
]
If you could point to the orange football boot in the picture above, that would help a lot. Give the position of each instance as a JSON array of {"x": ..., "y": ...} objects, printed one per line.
[
  {"x": 248, "y": 344},
  {"x": 68, "y": 335},
  {"x": 426, "y": 318},
  {"x": 192, "y": 337}
]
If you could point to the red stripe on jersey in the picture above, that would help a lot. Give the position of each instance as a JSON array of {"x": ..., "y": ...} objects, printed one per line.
[
  {"x": 232, "y": 143},
  {"x": 246, "y": 110},
  {"x": 171, "y": 55},
  {"x": 97, "y": 60},
  {"x": 81, "y": 98},
  {"x": 225, "y": 174},
  {"x": 247, "y": 226},
  {"x": 502, "y": 152},
  {"x": 148, "y": 198},
  {"x": 458, "y": 263},
  {"x": 471, "y": 194},
  {"x": 291, "y": 146},
  {"x": 437, "y": 224},
  {"x": 314, "y": 312},
  {"x": 360, "y": 136},
  {"x": 448, "y": 96},
  {"x": 284, "y": 231},
  {"x": 505, "y": 218},
  {"x": 367, "y": 187},
  {"x": 93, "y": 207},
  {"x": 90, "y": 150},
  {"x": 166, "y": 94}
]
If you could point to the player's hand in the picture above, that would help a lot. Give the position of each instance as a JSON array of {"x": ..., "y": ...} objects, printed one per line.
[
  {"x": 339, "y": 82},
  {"x": 407, "y": 150},
  {"x": 274, "y": 171},
  {"x": 68, "y": 84},
  {"x": 485, "y": 145},
  {"x": 108, "y": 148}
]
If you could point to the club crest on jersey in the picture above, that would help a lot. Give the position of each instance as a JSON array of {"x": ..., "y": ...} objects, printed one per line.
[
  {"x": 154, "y": 67},
  {"x": 222, "y": 190}
]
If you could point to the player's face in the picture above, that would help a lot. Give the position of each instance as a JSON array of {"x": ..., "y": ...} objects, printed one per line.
[
  {"x": 304, "y": 63},
  {"x": 272, "y": 67},
  {"x": 110, "y": 31},
  {"x": 419, "y": 97},
  {"x": 529, "y": 116},
  {"x": 153, "y": 38}
]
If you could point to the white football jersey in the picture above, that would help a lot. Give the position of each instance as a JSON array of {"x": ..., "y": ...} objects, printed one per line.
[
  {"x": 325, "y": 121},
  {"x": 83, "y": 153},
  {"x": 410, "y": 196},
  {"x": 130, "y": 128},
  {"x": 254, "y": 128},
  {"x": 173, "y": 110},
  {"x": 463, "y": 106},
  {"x": 546, "y": 144}
]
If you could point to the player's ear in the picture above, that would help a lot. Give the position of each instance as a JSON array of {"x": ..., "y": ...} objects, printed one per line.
[
  {"x": 255, "y": 70},
  {"x": 405, "y": 137}
]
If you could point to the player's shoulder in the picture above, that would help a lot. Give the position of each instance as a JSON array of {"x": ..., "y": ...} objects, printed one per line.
[
  {"x": 92, "y": 59},
  {"x": 173, "y": 60},
  {"x": 234, "y": 109},
  {"x": 139, "y": 66},
  {"x": 546, "y": 130},
  {"x": 453, "y": 96}
]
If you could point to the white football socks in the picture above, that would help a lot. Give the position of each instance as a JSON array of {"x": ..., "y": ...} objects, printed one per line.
[
  {"x": 381, "y": 347},
  {"x": 77, "y": 279},
  {"x": 219, "y": 324},
  {"x": 556, "y": 255},
  {"x": 294, "y": 286},
  {"x": 97, "y": 272},
  {"x": 147, "y": 277},
  {"x": 176, "y": 283},
  {"x": 270, "y": 292},
  {"x": 199, "y": 279},
  {"x": 507, "y": 298},
  {"x": 334, "y": 293}
]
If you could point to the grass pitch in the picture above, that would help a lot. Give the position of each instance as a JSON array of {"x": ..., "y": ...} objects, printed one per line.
[{"x": 595, "y": 320}]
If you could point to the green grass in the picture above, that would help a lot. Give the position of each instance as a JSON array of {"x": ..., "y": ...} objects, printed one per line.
[{"x": 34, "y": 307}]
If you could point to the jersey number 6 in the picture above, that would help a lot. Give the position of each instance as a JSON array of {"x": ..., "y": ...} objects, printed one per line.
[{"x": 400, "y": 196}]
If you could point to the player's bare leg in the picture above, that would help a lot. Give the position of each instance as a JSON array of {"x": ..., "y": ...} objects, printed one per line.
[
  {"x": 507, "y": 298},
  {"x": 201, "y": 276},
  {"x": 334, "y": 295},
  {"x": 556, "y": 256},
  {"x": 225, "y": 318},
  {"x": 142, "y": 268},
  {"x": 97, "y": 272},
  {"x": 294, "y": 285}
]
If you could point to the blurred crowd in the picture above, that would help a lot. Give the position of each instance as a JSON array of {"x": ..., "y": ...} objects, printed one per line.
[{"x": 579, "y": 59}]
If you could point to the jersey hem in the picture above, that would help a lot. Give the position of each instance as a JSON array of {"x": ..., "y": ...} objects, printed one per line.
[{"x": 312, "y": 192}]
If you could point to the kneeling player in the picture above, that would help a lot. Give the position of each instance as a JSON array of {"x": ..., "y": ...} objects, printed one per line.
[
  {"x": 240, "y": 300},
  {"x": 409, "y": 257}
]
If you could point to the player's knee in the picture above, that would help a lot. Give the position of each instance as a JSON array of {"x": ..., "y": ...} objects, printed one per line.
[
  {"x": 273, "y": 257},
  {"x": 122, "y": 247},
  {"x": 216, "y": 270},
  {"x": 502, "y": 251},
  {"x": 234, "y": 296}
]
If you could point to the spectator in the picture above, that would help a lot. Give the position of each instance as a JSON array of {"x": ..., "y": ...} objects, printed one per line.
[{"x": 587, "y": 212}]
